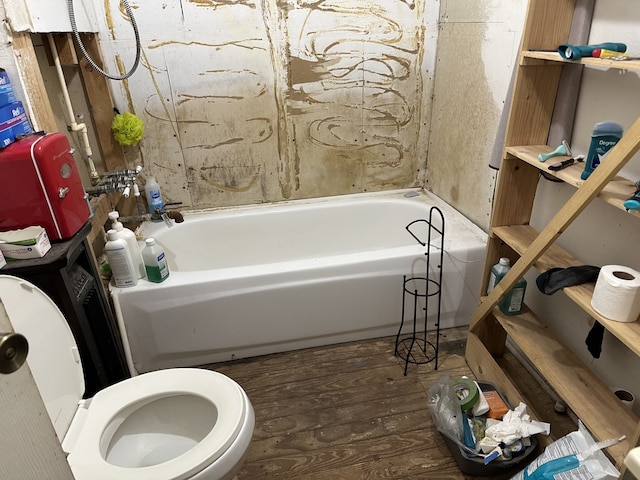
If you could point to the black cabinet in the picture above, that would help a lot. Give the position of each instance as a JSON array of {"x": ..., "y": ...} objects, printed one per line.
[{"x": 68, "y": 275}]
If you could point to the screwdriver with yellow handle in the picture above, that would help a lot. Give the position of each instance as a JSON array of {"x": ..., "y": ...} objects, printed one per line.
[{"x": 612, "y": 54}]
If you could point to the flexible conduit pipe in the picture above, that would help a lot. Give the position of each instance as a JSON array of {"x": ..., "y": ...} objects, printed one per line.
[
  {"x": 73, "y": 125},
  {"x": 134, "y": 25}
]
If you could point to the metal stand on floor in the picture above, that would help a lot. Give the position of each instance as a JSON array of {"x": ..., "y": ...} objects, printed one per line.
[{"x": 415, "y": 347}]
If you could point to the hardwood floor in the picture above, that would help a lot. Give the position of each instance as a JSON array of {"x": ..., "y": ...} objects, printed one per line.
[{"x": 346, "y": 412}]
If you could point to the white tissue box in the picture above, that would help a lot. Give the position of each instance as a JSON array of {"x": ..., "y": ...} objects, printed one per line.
[{"x": 30, "y": 242}]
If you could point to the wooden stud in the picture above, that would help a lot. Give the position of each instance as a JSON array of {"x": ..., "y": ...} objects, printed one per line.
[{"x": 38, "y": 105}]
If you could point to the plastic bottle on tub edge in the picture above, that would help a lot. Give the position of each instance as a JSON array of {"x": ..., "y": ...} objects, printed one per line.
[
  {"x": 154, "y": 197},
  {"x": 498, "y": 271},
  {"x": 155, "y": 261},
  {"x": 132, "y": 243},
  {"x": 123, "y": 270}
]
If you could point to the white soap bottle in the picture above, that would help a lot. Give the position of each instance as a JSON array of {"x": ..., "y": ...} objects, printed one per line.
[
  {"x": 155, "y": 261},
  {"x": 154, "y": 196},
  {"x": 132, "y": 242},
  {"x": 123, "y": 270}
]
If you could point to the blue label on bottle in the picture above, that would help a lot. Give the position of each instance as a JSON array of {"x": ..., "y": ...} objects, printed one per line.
[{"x": 155, "y": 201}]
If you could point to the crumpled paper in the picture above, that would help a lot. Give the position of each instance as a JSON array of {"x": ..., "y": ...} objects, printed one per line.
[{"x": 515, "y": 424}]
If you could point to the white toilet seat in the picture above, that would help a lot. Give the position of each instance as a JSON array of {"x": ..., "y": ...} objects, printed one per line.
[
  {"x": 87, "y": 454},
  {"x": 86, "y": 428}
]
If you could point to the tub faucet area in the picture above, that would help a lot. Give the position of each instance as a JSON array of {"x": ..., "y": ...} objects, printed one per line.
[
  {"x": 174, "y": 215},
  {"x": 121, "y": 181}
]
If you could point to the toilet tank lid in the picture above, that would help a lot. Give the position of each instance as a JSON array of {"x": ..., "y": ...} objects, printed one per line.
[{"x": 53, "y": 356}]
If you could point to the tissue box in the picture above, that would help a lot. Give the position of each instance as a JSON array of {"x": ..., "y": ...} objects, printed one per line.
[
  {"x": 6, "y": 90},
  {"x": 13, "y": 122},
  {"x": 31, "y": 242}
]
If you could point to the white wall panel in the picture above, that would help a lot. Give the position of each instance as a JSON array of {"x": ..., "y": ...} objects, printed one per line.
[{"x": 42, "y": 16}]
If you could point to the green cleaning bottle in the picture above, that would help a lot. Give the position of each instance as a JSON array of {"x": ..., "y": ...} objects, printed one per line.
[
  {"x": 155, "y": 261},
  {"x": 513, "y": 301}
]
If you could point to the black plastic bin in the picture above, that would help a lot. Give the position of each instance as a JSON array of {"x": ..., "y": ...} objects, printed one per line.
[{"x": 472, "y": 465}]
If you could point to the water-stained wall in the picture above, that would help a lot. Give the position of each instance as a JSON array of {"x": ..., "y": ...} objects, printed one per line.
[
  {"x": 477, "y": 50},
  {"x": 264, "y": 100}
]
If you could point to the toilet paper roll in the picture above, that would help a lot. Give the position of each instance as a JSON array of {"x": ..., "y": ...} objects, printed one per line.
[{"x": 616, "y": 295}]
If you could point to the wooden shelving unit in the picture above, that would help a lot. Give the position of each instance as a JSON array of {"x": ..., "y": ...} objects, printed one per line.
[{"x": 537, "y": 79}]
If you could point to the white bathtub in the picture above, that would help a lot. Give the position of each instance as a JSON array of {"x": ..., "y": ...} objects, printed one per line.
[{"x": 254, "y": 280}]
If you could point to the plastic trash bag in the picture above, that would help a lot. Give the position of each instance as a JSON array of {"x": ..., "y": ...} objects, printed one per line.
[
  {"x": 446, "y": 413},
  {"x": 575, "y": 456}
]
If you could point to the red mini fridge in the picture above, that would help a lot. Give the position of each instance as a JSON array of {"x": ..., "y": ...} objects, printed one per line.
[{"x": 40, "y": 185}]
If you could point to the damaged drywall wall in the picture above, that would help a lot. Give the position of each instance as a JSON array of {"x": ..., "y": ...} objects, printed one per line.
[
  {"x": 258, "y": 101},
  {"x": 477, "y": 49}
]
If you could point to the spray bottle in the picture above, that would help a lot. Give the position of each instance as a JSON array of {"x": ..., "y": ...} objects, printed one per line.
[
  {"x": 132, "y": 243},
  {"x": 604, "y": 136}
]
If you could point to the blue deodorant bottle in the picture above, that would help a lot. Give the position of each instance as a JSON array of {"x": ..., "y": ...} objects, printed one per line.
[{"x": 604, "y": 136}]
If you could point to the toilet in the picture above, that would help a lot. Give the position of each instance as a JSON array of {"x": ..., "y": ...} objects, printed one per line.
[{"x": 173, "y": 424}]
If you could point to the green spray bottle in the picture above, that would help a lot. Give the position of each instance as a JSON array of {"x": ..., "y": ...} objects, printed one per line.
[{"x": 604, "y": 136}]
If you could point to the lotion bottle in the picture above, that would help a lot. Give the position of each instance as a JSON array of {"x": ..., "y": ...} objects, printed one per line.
[
  {"x": 132, "y": 243},
  {"x": 155, "y": 261},
  {"x": 122, "y": 268},
  {"x": 154, "y": 196}
]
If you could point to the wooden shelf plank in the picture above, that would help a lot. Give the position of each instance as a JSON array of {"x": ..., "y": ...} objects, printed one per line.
[
  {"x": 520, "y": 237},
  {"x": 591, "y": 400},
  {"x": 485, "y": 368},
  {"x": 631, "y": 64},
  {"x": 615, "y": 193}
]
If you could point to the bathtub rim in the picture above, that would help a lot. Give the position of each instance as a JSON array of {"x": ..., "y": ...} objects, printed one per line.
[{"x": 149, "y": 229}]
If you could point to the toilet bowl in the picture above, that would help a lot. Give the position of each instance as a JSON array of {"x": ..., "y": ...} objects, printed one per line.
[{"x": 173, "y": 424}]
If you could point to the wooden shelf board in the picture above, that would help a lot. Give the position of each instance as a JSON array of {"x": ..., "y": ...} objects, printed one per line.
[
  {"x": 591, "y": 400},
  {"x": 615, "y": 193},
  {"x": 519, "y": 238},
  {"x": 631, "y": 64}
]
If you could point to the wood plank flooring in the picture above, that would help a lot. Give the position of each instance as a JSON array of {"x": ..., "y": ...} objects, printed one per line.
[{"x": 346, "y": 412}]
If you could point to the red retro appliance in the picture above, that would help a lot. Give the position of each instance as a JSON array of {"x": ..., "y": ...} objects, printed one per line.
[{"x": 40, "y": 185}]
